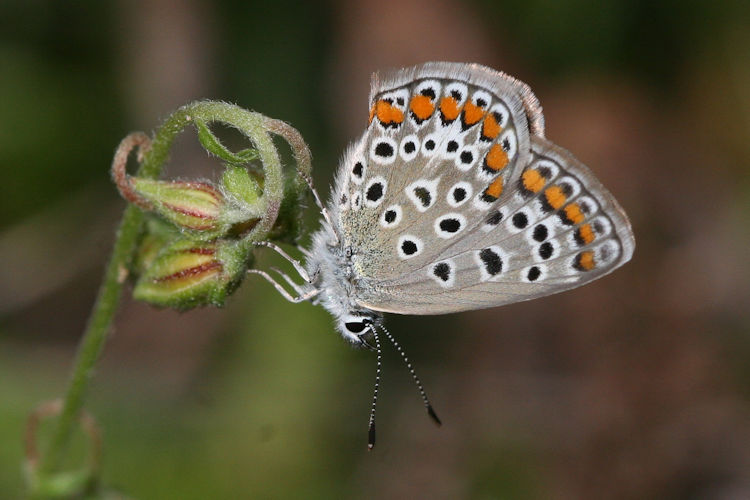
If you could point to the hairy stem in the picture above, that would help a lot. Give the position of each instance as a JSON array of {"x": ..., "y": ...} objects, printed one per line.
[
  {"x": 98, "y": 326},
  {"x": 253, "y": 126}
]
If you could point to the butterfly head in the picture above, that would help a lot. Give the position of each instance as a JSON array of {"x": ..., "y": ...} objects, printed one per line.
[{"x": 357, "y": 326}]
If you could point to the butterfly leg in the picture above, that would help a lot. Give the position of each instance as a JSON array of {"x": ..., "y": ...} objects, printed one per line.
[
  {"x": 304, "y": 251},
  {"x": 300, "y": 298},
  {"x": 294, "y": 262},
  {"x": 297, "y": 288}
]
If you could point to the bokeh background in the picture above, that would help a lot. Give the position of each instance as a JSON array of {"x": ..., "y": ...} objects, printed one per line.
[{"x": 635, "y": 386}]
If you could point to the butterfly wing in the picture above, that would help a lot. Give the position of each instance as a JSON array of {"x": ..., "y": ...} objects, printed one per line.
[
  {"x": 434, "y": 128},
  {"x": 559, "y": 229},
  {"x": 453, "y": 200}
]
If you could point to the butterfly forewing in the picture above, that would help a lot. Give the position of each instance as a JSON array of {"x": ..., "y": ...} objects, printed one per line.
[
  {"x": 436, "y": 155},
  {"x": 453, "y": 200}
]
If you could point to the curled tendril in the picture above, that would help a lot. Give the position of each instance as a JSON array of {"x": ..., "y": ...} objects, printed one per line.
[{"x": 119, "y": 165}]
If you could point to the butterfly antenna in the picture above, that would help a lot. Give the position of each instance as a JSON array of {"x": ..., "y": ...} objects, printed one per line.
[
  {"x": 427, "y": 405},
  {"x": 371, "y": 432}
]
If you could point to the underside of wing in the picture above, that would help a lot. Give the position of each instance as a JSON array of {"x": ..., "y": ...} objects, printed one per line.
[
  {"x": 444, "y": 139},
  {"x": 557, "y": 228}
]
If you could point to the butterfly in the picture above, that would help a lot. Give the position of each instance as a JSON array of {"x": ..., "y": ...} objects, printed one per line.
[{"x": 452, "y": 200}]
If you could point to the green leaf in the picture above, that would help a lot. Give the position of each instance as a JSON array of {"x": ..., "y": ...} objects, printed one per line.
[{"x": 213, "y": 145}]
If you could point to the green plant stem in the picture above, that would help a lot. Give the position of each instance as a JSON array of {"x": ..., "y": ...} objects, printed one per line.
[
  {"x": 94, "y": 337},
  {"x": 100, "y": 321}
]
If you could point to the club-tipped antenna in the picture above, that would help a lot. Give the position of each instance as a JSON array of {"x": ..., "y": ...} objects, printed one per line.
[
  {"x": 427, "y": 405},
  {"x": 371, "y": 431}
]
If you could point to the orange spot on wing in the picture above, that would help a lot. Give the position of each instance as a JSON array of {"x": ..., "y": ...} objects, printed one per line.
[
  {"x": 532, "y": 180},
  {"x": 421, "y": 106},
  {"x": 449, "y": 108},
  {"x": 497, "y": 158},
  {"x": 490, "y": 128},
  {"x": 387, "y": 113},
  {"x": 472, "y": 113},
  {"x": 585, "y": 260},
  {"x": 586, "y": 234},
  {"x": 555, "y": 197},
  {"x": 495, "y": 189},
  {"x": 573, "y": 213}
]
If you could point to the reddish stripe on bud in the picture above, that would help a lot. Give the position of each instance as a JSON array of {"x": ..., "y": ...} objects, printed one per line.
[{"x": 191, "y": 272}]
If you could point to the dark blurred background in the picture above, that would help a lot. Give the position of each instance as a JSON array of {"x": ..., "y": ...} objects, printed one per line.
[{"x": 635, "y": 386}]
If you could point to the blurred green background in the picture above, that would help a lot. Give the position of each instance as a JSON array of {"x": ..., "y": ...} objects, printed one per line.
[{"x": 635, "y": 386}]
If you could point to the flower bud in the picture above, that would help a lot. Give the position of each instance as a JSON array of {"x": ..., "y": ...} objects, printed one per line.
[
  {"x": 195, "y": 206},
  {"x": 190, "y": 273},
  {"x": 242, "y": 194}
]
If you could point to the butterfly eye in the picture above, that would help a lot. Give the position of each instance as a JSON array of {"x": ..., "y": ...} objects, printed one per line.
[
  {"x": 357, "y": 324},
  {"x": 355, "y": 327}
]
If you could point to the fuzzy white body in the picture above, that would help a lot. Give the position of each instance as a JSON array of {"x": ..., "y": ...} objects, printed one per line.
[{"x": 333, "y": 274}]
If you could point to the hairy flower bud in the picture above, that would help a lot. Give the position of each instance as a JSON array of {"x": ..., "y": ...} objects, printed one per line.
[
  {"x": 190, "y": 273},
  {"x": 196, "y": 206}
]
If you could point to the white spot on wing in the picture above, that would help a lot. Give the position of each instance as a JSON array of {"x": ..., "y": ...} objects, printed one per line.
[
  {"x": 356, "y": 200},
  {"x": 426, "y": 152},
  {"x": 358, "y": 171},
  {"x": 503, "y": 112},
  {"x": 430, "y": 186},
  {"x": 468, "y": 190},
  {"x": 398, "y": 215},
  {"x": 449, "y": 218},
  {"x": 383, "y": 143},
  {"x": 406, "y": 239},
  {"x": 484, "y": 274},
  {"x": 409, "y": 141},
  {"x": 459, "y": 87},
  {"x": 482, "y": 95},
  {"x": 508, "y": 143},
  {"x": 384, "y": 186},
  {"x": 432, "y": 272},
  {"x": 465, "y": 153}
]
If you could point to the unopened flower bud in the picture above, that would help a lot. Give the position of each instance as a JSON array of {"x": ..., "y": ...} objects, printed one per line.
[
  {"x": 191, "y": 273},
  {"x": 196, "y": 206}
]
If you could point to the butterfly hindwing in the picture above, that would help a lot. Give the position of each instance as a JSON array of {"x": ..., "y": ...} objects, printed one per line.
[{"x": 560, "y": 229}]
